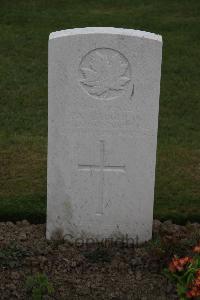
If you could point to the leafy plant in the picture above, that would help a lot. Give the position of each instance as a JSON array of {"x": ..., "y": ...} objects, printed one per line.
[
  {"x": 185, "y": 273},
  {"x": 38, "y": 286},
  {"x": 13, "y": 255}
]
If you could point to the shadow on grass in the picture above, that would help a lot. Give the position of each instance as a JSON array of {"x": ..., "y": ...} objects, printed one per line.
[{"x": 22, "y": 208}]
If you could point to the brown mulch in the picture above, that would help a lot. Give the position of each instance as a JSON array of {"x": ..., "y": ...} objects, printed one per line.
[{"x": 91, "y": 271}]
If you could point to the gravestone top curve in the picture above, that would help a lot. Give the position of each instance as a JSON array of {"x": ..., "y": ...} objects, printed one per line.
[{"x": 106, "y": 30}]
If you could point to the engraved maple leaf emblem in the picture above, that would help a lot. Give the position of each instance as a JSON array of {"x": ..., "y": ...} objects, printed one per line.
[{"x": 105, "y": 73}]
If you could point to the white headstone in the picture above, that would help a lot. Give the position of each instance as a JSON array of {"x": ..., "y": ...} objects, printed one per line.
[{"x": 104, "y": 88}]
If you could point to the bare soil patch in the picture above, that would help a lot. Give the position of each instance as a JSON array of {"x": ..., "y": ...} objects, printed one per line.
[{"x": 91, "y": 271}]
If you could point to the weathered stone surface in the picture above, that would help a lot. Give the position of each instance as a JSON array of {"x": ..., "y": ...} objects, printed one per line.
[{"x": 103, "y": 113}]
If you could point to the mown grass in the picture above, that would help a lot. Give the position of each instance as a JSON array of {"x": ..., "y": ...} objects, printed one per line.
[{"x": 24, "y": 30}]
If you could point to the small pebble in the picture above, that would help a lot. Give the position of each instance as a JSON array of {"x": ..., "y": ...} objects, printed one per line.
[
  {"x": 22, "y": 236},
  {"x": 15, "y": 275},
  {"x": 11, "y": 224},
  {"x": 25, "y": 223},
  {"x": 138, "y": 275}
]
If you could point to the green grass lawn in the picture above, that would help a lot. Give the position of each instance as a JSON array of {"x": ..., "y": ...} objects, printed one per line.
[{"x": 24, "y": 30}]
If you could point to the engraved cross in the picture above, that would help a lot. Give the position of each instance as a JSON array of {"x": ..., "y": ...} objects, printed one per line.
[{"x": 101, "y": 167}]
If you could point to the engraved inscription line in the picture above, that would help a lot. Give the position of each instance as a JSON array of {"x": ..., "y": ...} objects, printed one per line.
[{"x": 101, "y": 167}]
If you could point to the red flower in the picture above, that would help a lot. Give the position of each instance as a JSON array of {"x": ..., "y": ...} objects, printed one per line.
[
  {"x": 193, "y": 293},
  {"x": 196, "y": 249},
  {"x": 178, "y": 264},
  {"x": 195, "y": 287}
]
